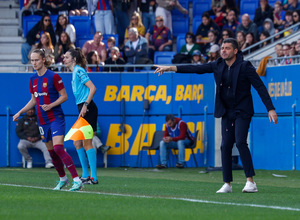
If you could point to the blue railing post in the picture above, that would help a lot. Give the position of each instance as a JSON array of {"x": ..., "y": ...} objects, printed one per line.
[
  {"x": 205, "y": 135},
  {"x": 7, "y": 135},
  {"x": 180, "y": 111},
  {"x": 294, "y": 134}
]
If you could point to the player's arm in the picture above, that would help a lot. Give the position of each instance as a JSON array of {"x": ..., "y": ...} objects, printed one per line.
[
  {"x": 62, "y": 98},
  {"x": 27, "y": 107},
  {"x": 92, "y": 92}
]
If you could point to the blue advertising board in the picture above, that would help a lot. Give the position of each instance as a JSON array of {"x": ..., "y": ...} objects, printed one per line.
[{"x": 118, "y": 94}]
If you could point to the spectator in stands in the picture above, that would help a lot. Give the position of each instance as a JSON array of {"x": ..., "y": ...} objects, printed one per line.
[
  {"x": 269, "y": 26},
  {"x": 104, "y": 19},
  {"x": 297, "y": 47},
  {"x": 212, "y": 40},
  {"x": 229, "y": 5},
  {"x": 136, "y": 22},
  {"x": 164, "y": 9},
  {"x": 214, "y": 53},
  {"x": 292, "y": 51},
  {"x": 261, "y": 13},
  {"x": 121, "y": 16},
  {"x": 159, "y": 37},
  {"x": 177, "y": 136},
  {"x": 44, "y": 25},
  {"x": 63, "y": 25},
  {"x": 114, "y": 59},
  {"x": 279, "y": 53},
  {"x": 30, "y": 7},
  {"x": 78, "y": 8},
  {"x": 264, "y": 35},
  {"x": 51, "y": 59},
  {"x": 27, "y": 130},
  {"x": 190, "y": 45},
  {"x": 288, "y": 22},
  {"x": 216, "y": 6},
  {"x": 55, "y": 7},
  {"x": 206, "y": 25},
  {"x": 111, "y": 42},
  {"x": 226, "y": 33},
  {"x": 293, "y": 5},
  {"x": 95, "y": 44},
  {"x": 248, "y": 26},
  {"x": 147, "y": 8},
  {"x": 93, "y": 59},
  {"x": 286, "y": 53},
  {"x": 296, "y": 20},
  {"x": 45, "y": 43},
  {"x": 63, "y": 45},
  {"x": 250, "y": 40},
  {"x": 197, "y": 58},
  {"x": 136, "y": 48},
  {"x": 241, "y": 39},
  {"x": 231, "y": 22},
  {"x": 278, "y": 15}
]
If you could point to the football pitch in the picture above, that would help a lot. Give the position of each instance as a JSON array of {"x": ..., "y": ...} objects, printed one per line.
[{"x": 132, "y": 193}]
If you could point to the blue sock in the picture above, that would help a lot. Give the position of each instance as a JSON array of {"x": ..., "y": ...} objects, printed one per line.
[
  {"x": 91, "y": 154},
  {"x": 84, "y": 162}
]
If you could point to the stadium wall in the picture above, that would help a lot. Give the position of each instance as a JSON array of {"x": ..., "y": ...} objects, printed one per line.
[{"x": 272, "y": 146}]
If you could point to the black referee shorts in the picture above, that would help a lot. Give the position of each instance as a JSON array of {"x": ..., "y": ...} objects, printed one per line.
[{"x": 91, "y": 114}]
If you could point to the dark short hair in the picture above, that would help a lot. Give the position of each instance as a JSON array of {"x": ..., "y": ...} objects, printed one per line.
[
  {"x": 232, "y": 41},
  {"x": 169, "y": 117}
]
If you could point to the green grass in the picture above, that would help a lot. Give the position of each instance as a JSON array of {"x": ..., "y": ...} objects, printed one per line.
[{"x": 120, "y": 195}]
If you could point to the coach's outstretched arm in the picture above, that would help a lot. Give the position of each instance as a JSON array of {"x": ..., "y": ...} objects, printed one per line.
[{"x": 161, "y": 69}]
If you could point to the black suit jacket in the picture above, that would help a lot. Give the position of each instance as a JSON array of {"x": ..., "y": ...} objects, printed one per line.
[{"x": 244, "y": 75}]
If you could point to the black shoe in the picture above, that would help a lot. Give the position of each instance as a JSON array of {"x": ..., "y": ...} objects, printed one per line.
[
  {"x": 91, "y": 181},
  {"x": 85, "y": 180},
  {"x": 161, "y": 166},
  {"x": 179, "y": 165}
]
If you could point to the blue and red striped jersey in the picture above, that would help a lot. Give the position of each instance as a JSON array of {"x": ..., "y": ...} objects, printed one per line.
[
  {"x": 103, "y": 5},
  {"x": 45, "y": 90}
]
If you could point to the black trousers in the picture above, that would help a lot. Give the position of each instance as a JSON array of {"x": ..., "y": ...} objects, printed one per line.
[
  {"x": 235, "y": 130},
  {"x": 91, "y": 115}
]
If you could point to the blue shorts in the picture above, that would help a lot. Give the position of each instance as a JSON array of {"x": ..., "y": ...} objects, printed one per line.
[{"x": 52, "y": 129}]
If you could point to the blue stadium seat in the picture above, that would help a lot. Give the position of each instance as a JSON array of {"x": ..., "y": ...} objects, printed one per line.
[
  {"x": 196, "y": 23},
  {"x": 249, "y": 7},
  {"x": 53, "y": 20},
  {"x": 272, "y": 2},
  {"x": 200, "y": 6},
  {"x": 161, "y": 57},
  {"x": 180, "y": 24},
  {"x": 80, "y": 40},
  {"x": 183, "y": 3},
  {"x": 29, "y": 22},
  {"x": 180, "y": 41},
  {"x": 82, "y": 25}
]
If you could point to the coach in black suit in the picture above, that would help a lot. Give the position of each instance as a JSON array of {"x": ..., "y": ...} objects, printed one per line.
[{"x": 233, "y": 102}]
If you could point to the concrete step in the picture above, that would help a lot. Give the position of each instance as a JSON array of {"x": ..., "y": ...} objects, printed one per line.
[
  {"x": 12, "y": 69},
  {"x": 9, "y": 3},
  {"x": 9, "y": 22},
  {"x": 10, "y": 57},
  {"x": 8, "y": 13},
  {"x": 12, "y": 39},
  {"x": 10, "y": 49},
  {"x": 8, "y": 30}
]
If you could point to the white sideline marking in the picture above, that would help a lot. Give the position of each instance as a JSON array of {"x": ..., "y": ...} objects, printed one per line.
[{"x": 170, "y": 198}]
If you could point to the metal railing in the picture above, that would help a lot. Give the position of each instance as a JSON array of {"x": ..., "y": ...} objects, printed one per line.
[
  {"x": 272, "y": 39},
  {"x": 279, "y": 61}
]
